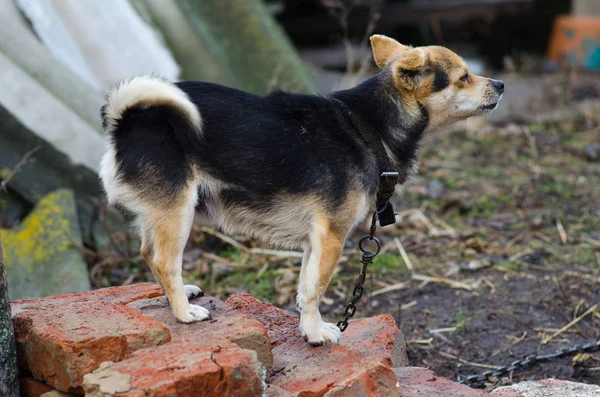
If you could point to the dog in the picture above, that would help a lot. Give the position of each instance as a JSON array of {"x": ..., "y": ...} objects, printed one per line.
[{"x": 290, "y": 169}]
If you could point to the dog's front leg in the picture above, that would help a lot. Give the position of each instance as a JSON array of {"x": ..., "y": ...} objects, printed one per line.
[{"x": 318, "y": 264}]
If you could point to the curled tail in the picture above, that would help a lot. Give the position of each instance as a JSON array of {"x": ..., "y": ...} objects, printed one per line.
[
  {"x": 146, "y": 96},
  {"x": 152, "y": 128}
]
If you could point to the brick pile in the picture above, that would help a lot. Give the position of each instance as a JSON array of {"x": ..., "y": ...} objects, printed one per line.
[{"x": 124, "y": 341}]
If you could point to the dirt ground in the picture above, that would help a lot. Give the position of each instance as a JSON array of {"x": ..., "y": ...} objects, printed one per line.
[{"x": 496, "y": 249}]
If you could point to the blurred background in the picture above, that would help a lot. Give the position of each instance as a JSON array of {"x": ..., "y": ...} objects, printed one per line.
[{"x": 497, "y": 244}]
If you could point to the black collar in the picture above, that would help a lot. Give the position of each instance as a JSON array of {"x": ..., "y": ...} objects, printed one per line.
[{"x": 388, "y": 176}]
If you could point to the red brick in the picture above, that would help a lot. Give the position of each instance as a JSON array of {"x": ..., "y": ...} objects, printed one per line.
[
  {"x": 30, "y": 387},
  {"x": 120, "y": 295},
  {"x": 280, "y": 325},
  {"x": 376, "y": 381},
  {"x": 189, "y": 366},
  {"x": 376, "y": 337},
  {"x": 422, "y": 382},
  {"x": 355, "y": 367},
  {"x": 60, "y": 343},
  {"x": 237, "y": 327}
]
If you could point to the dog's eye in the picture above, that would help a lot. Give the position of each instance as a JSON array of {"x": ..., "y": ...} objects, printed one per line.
[{"x": 465, "y": 77}]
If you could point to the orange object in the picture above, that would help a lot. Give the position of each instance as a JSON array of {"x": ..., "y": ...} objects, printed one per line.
[{"x": 575, "y": 41}]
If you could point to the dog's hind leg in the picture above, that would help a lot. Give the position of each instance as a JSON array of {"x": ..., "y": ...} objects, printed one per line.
[
  {"x": 169, "y": 230},
  {"x": 146, "y": 247},
  {"x": 326, "y": 246}
]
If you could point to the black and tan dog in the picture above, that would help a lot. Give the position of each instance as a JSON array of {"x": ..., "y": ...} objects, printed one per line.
[{"x": 289, "y": 169}]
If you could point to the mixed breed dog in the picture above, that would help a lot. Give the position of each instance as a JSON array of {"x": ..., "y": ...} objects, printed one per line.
[{"x": 287, "y": 168}]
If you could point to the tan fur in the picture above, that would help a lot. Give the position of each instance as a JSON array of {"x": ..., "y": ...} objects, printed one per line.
[
  {"x": 385, "y": 49},
  {"x": 413, "y": 75},
  {"x": 167, "y": 246},
  {"x": 331, "y": 249},
  {"x": 291, "y": 214},
  {"x": 403, "y": 66},
  {"x": 165, "y": 227}
]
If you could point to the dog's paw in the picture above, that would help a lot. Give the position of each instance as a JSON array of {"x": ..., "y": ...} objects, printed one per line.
[
  {"x": 195, "y": 314},
  {"x": 192, "y": 291},
  {"x": 320, "y": 333}
]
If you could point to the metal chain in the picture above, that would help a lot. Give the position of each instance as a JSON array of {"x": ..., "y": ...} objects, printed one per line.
[
  {"x": 479, "y": 379},
  {"x": 366, "y": 259}
]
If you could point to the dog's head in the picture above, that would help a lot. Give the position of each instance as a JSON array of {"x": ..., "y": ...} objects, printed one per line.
[{"x": 438, "y": 79}]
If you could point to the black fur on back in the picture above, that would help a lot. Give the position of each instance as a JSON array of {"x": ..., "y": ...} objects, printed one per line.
[
  {"x": 263, "y": 146},
  {"x": 152, "y": 148}
]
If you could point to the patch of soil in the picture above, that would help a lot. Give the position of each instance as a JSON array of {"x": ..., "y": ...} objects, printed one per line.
[{"x": 504, "y": 320}]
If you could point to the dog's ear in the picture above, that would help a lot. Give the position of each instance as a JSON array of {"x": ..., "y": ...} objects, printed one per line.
[
  {"x": 409, "y": 68},
  {"x": 385, "y": 49}
]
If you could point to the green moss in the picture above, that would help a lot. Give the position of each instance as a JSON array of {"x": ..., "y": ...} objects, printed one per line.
[
  {"x": 518, "y": 226},
  {"x": 5, "y": 172},
  {"x": 587, "y": 256},
  {"x": 509, "y": 266},
  {"x": 260, "y": 287},
  {"x": 485, "y": 206},
  {"x": 43, "y": 254},
  {"x": 461, "y": 320},
  {"x": 535, "y": 128},
  {"x": 386, "y": 262}
]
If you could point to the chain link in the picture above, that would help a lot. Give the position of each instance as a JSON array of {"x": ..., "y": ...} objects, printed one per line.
[
  {"x": 479, "y": 379},
  {"x": 366, "y": 259}
]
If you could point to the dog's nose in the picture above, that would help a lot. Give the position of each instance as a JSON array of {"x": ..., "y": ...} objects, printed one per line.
[{"x": 498, "y": 85}]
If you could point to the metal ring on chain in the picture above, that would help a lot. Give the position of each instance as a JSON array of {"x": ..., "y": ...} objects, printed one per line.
[{"x": 364, "y": 250}]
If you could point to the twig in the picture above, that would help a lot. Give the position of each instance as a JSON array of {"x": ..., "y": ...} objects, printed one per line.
[
  {"x": 408, "y": 305},
  {"x": 518, "y": 340},
  {"x": 561, "y": 232},
  {"x": 262, "y": 271},
  {"x": 225, "y": 238},
  {"x": 403, "y": 254},
  {"x": 226, "y": 262},
  {"x": 440, "y": 330},
  {"x": 567, "y": 331},
  {"x": 432, "y": 229},
  {"x": 24, "y": 160},
  {"x": 531, "y": 140},
  {"x": 572, "y": 323},
  {"x": 520, "y": 255},
  {"x": 543, "y": 237},
  {"x": 490, "y": 284},
  {"x": 283, "y": 254},
  {"x": 441, "y": 280},
  {"x": 420, "y": 341},
  {"x": 256, "y": 251},
  {"x": 275, "y": 77},
  {"x": 450, "y": 356},
  {"x": 591, "y": 241},
  {"x": 129, "y": 280},
  {"x": 393, "y": 287},
  {"x": 107, "y": 230}
]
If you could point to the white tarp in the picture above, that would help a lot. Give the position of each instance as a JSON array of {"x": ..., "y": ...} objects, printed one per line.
[
  {"x": 53, "y": 33},
  {"x": 103, "y": 42},
  {"x": 23, "y": 47},
  {"x": 49, "y": 118}
]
